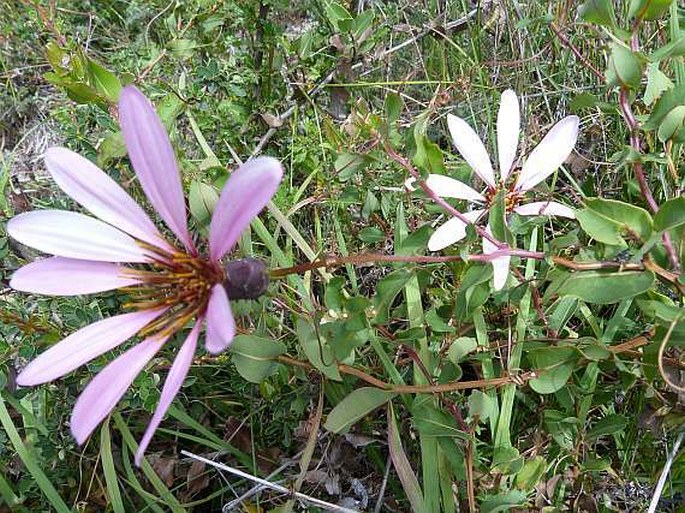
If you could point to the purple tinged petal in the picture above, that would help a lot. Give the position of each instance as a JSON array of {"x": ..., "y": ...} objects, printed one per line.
[
  {"x": 106, "y": 389},
  {"x": 551, "y": 153},
  {"x": 102, "y": 196},
  {"x": 154, "y": 161},
  {"x": 177, "y": 373},
  {"x": 73, "y": 235},
  {"x": 245, "y": 194},
  {"x": 471, "y": 148},
  {"x": 447, "y": 187},
  {"x": 58, "y": 276},
  {"x": 84, "y": 345},
  {"x": 220, "y": 322},
  {"x": 545, "y": 208},
  {"x": 451, "y": 231},
  {"x": 508, "y": 127}
]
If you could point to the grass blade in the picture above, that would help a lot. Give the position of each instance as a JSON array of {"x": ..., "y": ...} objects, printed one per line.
[
  {"x": 31, "y": 464},
  {"x": 402, "y": 467},
  {"x": 151, "y": 475},
  {"x": 108, "y": 469}
]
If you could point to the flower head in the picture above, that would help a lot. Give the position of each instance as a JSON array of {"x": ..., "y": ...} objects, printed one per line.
[
  {"x": 169, "y": 288},
  {"x": 552, "y": 151}
]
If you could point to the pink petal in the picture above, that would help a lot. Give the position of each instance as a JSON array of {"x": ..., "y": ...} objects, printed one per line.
[
  {"x": 471, "y": 148},
  {"x": 500, "y": 265},
  {"x": 58, "y": 276},
  {"x": 447, "y": 187},
  {"x": 73, "y": 235},
  {"x": 172, "y": 385},
  {"x": 84, "y": 345},
  {"x": 508, "y": 126},
  {"x": 545, "y": 208},
  {"x": 98, "y": 193},
  {"x": 153, "y": 159},
  {"x": 220, "y": 322},
  {"x": 246, "y": 193},
  {"x": 106, "y": 389},
  {"x": 551, "y": 153},
  {"x": 452, "y": 231}
]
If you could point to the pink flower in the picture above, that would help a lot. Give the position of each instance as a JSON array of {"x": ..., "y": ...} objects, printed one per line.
[
  {"x": 169, "y": 289},
  {"x": 552, "y": 151}
]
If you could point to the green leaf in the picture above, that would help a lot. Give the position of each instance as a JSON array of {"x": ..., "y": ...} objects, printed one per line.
[
  {"x": 648, "y": 9},
  {"x": 316, "y": 349},
  {"x": 431, "y": 421},
  {"x": 460, "y": 348},
  {"x": 347, "y": 164},
  {"x": 598, "y": 11},
  {"x": 657, "y": 83},
  {"x": 111, "y": 148},
  {"x": 202, "y": 200},
  {"x": 672, "y": 125},
  {"x": 669, "y": 101},
  {"x": 337, "y": 15},
  {"x": 371, "y": 234},
  {"x": 631, "y": 218},
  {"x": 496, "y": 217},
  {"x": 361, "y": 26},
  {"x": 182, "y": 48},
  {"x": 393, "y": 107},
  {"x": 673, "y": 49},
  {"x": 481, "y": 405},
  {"x": 609, "y": 221},
  {"x": 605, "y": 287},
  {"x": 254, "y": 357},
  {"x": 666, "y": 312},
  {"x": 503, "y": 502},
  {"x": 530, "y": 474},
  {"x": 625, "y": 67},
  {"x": 670, "y": 215},
  {"x": 600, "y": 228},
  {"x": 427, "y": 157},
  {"x": 387, "y": 290},
  {"x": 554, "y": 366},
  {"x": 106, "y": 82},
  {"x": 609, "y": 425},
  {"x": 355, "y": 407}
]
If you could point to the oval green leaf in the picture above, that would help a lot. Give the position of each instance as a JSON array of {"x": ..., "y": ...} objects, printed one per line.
[
  {"x": 356, "y": 406},
  {"x": 605, "y": 288}
]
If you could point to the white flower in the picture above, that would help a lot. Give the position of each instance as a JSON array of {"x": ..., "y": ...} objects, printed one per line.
[{"x": 552, "y": 151}]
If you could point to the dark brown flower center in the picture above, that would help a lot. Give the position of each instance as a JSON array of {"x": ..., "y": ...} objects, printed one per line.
[{"x": 179, "y": 282}]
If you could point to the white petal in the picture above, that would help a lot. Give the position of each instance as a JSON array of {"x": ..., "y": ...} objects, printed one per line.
[
  {"x": 174, "y": 380},
  {"x": 106, "y": 389},
  {"x": 551, "y": 153},
  {"x": 508, "y": 126},
  {"x": 471, "y": 148},
  {"x": 99, "y": 194},
  {"x": 447, "y": 187},
  {"x": 500, "y": 265},
  {"x": 58, "y": 276},
  {"x": 84, "y": 345},
  {"x": 452, "y": 231},
  {"x": 545, "y": 208},
  {"x": 72, "y": 235},
  {"x": 220, "y": 322}
]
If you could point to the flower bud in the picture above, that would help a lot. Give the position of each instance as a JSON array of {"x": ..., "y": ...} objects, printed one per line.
[{"x": 246, "y": 278}]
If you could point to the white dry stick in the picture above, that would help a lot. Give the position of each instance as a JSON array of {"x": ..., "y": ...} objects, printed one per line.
[
  {"x": 312, "y": 500},
  {"x": 664, "y": 474}
]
